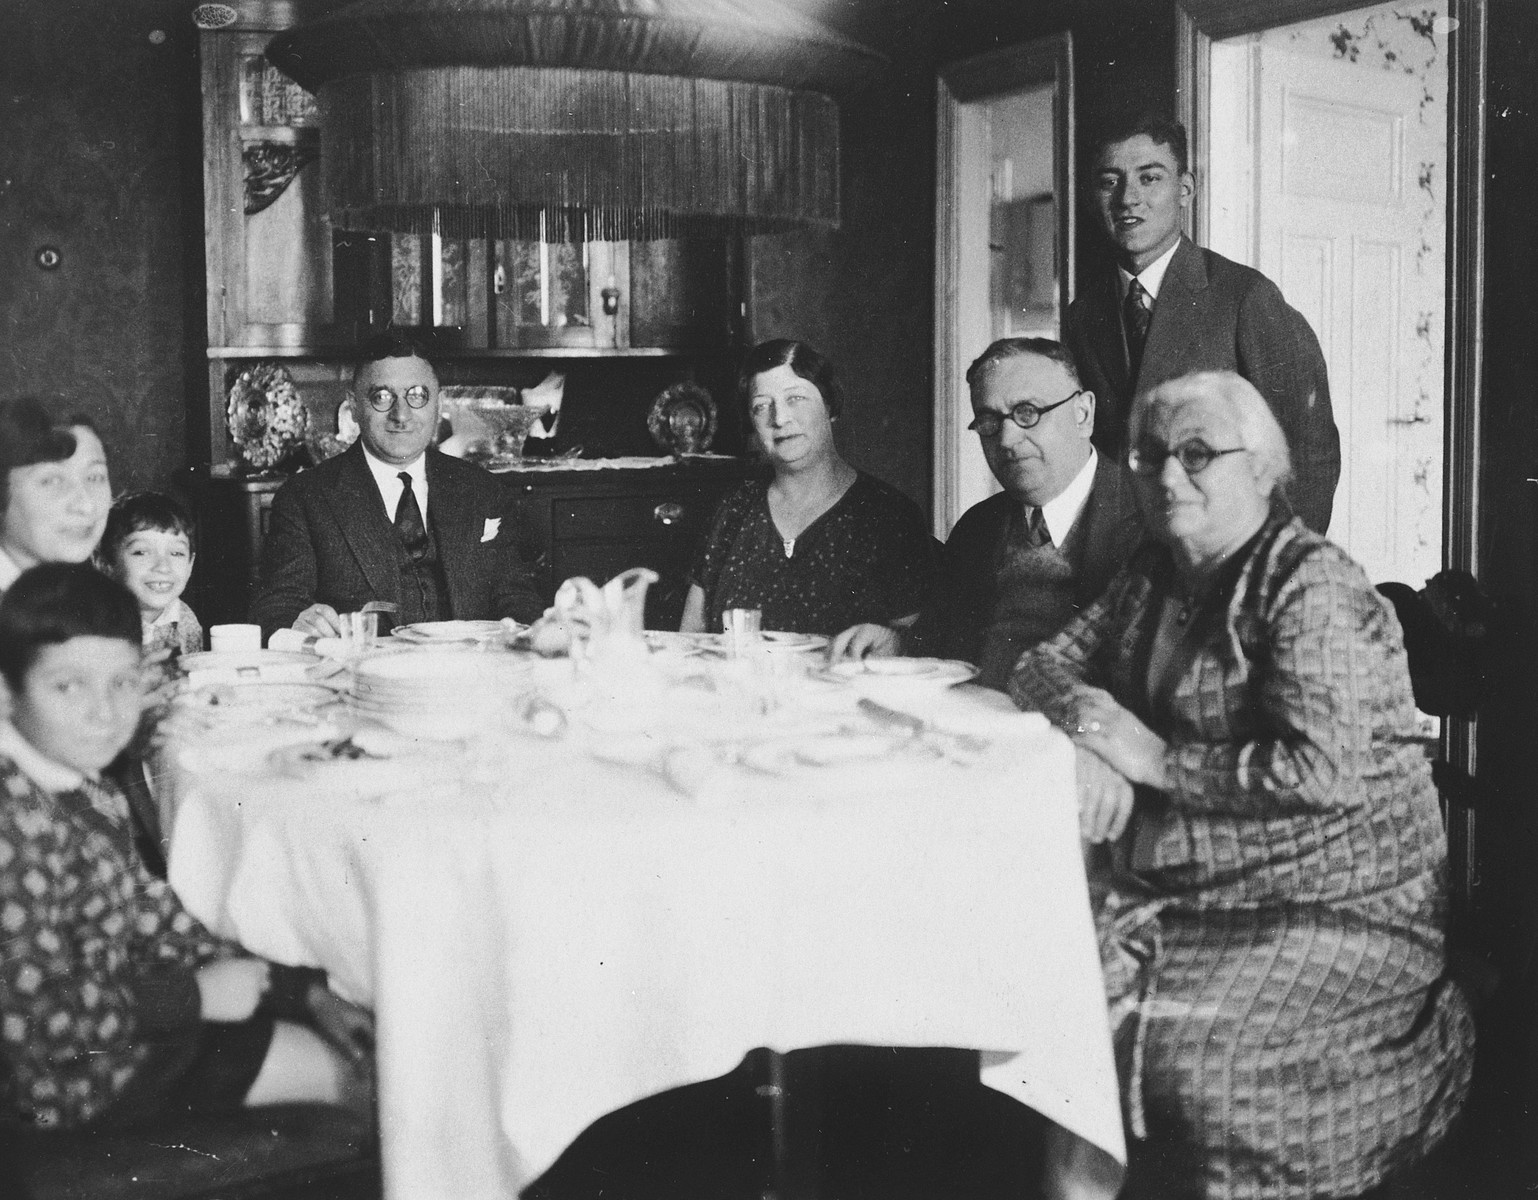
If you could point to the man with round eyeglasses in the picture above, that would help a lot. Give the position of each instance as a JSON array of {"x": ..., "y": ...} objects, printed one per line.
[
  {"x": 1018, "y": 565},
  {"x": 392, "y": 519}
]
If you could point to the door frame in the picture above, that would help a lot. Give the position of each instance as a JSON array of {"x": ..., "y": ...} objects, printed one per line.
[
  {"x": 1201, "y": 22},
  {"x": 1042, "y": 61}
]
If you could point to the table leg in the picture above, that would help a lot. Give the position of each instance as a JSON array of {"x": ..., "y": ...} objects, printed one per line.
[{"x": 793, "y": 1086}]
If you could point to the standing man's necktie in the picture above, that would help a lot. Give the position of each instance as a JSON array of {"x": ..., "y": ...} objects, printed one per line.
[
  {"x": 1036, "y": 532},
  {"x": 408, "y": 520},
  {"x": 1137, "y": 311}
]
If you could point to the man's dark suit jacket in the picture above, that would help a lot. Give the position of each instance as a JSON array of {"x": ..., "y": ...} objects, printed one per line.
[
  {"x": 1103, "y": 537},
  {"x": 1215, "y": 315},
  {"x": 331, "y": 541}
]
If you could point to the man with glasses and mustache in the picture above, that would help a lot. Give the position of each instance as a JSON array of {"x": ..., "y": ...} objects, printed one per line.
[
  {"x": 392, "y": 519},
  {"x": 1018, "y": 565},
  {"x": 1168, "y": 308}
]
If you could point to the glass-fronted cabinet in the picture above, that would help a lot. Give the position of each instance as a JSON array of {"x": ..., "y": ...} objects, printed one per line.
[
  {"x": 284, "y": 284},
  {"x": 506, "y": 295},
  {"x": 280, "y": 276}
]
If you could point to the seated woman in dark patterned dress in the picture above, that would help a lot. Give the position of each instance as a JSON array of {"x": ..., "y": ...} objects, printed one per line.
[
  {"x": 1272, "y": 901},
  {"x": 821, "y": 546}
]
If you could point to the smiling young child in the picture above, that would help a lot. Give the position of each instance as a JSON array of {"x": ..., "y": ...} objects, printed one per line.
[
  {"x": 148, "y": 547},
  {"x": 116, "y": 1005}
]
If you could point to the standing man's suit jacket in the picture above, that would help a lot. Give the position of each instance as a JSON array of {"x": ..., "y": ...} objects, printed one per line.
[
  {"x": 1215, "y": 315},
  {"x": 331, "y": 541},
  {"x": 1102, "y": 539}
]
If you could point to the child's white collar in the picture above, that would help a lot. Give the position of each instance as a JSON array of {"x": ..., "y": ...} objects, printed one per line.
[
  {"x": 43, "y": 771},
  {"x": 168, "y": 616}
]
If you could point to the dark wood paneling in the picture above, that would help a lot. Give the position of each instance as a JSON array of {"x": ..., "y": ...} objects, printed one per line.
[
  {"x": 98, "y": 157},
  {"x": 1507, "y": 822}
]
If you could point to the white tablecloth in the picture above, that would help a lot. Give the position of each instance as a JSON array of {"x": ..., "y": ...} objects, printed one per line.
[{"x": 551, "y": 942}]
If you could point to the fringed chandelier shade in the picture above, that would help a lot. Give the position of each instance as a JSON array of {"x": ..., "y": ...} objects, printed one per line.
[{"x": 592, "y": 119}]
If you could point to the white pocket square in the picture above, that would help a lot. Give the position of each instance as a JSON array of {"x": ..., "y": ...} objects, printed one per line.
[{"x": 492, "y": 528}]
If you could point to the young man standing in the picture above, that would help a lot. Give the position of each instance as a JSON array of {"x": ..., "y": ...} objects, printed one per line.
[{"x": 1170, "y": 307}]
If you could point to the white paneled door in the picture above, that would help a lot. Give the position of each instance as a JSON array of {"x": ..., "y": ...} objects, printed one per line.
[{"x": 1338, "y": 187}]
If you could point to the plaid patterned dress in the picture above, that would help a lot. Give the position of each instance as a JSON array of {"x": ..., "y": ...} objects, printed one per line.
[{"x": 1272, "y": 935}]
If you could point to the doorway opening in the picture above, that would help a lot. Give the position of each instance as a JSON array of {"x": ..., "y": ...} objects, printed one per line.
[
  {"x": 1326, "y": 169},
  {"x": 1004, "y": 216},
  {"x": 1343, "y": 153}
]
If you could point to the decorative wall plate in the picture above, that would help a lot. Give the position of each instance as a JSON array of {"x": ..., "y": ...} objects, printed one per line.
[
  {"x": 267, "y": 419},
  {"x": 683, "y": 419}
]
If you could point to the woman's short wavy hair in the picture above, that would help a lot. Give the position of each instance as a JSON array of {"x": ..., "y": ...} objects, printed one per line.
[
  {"x": 800, "y": 358},
  {"x": 1258, "y": 430},
  {"x": 31, "y": 433}
]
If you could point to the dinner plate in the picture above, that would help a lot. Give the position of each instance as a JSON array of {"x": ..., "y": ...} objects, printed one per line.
[
  {"x": 437, "y": 666},
  {"x": 794, "y": 641},
  {"x": 368, "y": 760},
  {"x": 904, "y": 672},
  {"x": 671, "y": 641},
  {"x": 775, "y": 641},
  {"x": 453, "y": 631},
  {"x": 245, "y": 666},
  {"x": 238, "y": 660},
  {"x": 264, "y": 695},
  {"x": 248, "y": 746}
]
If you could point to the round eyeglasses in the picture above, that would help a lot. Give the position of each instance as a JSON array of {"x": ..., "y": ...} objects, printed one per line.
[
  {"x": 1025, "y": 414},
  {"x": 1193, "y": 455},
  {"x": 382, "y": 399}
]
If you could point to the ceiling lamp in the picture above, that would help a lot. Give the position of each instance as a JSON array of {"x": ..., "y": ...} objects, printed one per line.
[{"x": 575, "y": 120}]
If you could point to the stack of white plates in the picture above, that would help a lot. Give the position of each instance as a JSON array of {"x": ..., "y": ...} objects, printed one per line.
[{"x": 435, "y": 693}]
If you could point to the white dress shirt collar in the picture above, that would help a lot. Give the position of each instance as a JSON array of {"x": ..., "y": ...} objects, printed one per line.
[
  {"x": 1151, "y": 276},
  {"x": 1060, "y": 513},
  {"x": 41, "y": 770},
  {"x": 387, "y": 480},
  {"x": 9, "y": 572}
]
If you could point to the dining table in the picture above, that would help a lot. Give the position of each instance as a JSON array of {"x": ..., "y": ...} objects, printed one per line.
[{"x": 564, "y": 884}]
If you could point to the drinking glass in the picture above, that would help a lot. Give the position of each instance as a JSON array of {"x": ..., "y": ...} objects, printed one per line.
[
  {"x": 742, "y": 627},
  {"x": 360, "y": 631}
]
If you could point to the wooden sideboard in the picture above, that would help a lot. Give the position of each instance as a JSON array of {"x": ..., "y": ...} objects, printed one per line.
[
  {"x": 599, "y": 523},
  {"x": 588, "y": 522}
]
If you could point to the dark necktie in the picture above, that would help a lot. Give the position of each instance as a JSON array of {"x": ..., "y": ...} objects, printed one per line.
[
  {"x": 408, "y": 520},
  {"x": 1136, "y": 313},
  {"x": 1036, "y": 532}
]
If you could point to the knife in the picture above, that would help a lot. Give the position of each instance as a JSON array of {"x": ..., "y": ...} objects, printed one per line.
[{"x": 918, "y": 727}]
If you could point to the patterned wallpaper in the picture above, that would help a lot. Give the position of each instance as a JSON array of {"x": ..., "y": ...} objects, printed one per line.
[{"x": 99, "y": 101}]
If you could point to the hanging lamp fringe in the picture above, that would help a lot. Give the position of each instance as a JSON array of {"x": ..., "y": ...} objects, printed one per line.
[{"x": 575, "y": 154}]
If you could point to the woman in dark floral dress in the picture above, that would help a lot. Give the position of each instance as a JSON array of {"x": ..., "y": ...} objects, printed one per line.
[{"x": 820, "y": 546}]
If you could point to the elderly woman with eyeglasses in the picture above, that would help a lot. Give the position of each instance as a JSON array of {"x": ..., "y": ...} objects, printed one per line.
[{"x": 1270, "y": 880}]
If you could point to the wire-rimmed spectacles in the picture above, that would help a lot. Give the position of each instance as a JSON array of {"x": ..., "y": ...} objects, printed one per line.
[
  {"x": 1025, "y": 414},
  {"x": 1193, "y": 455},
  {"x": 382, "y": 399}
]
